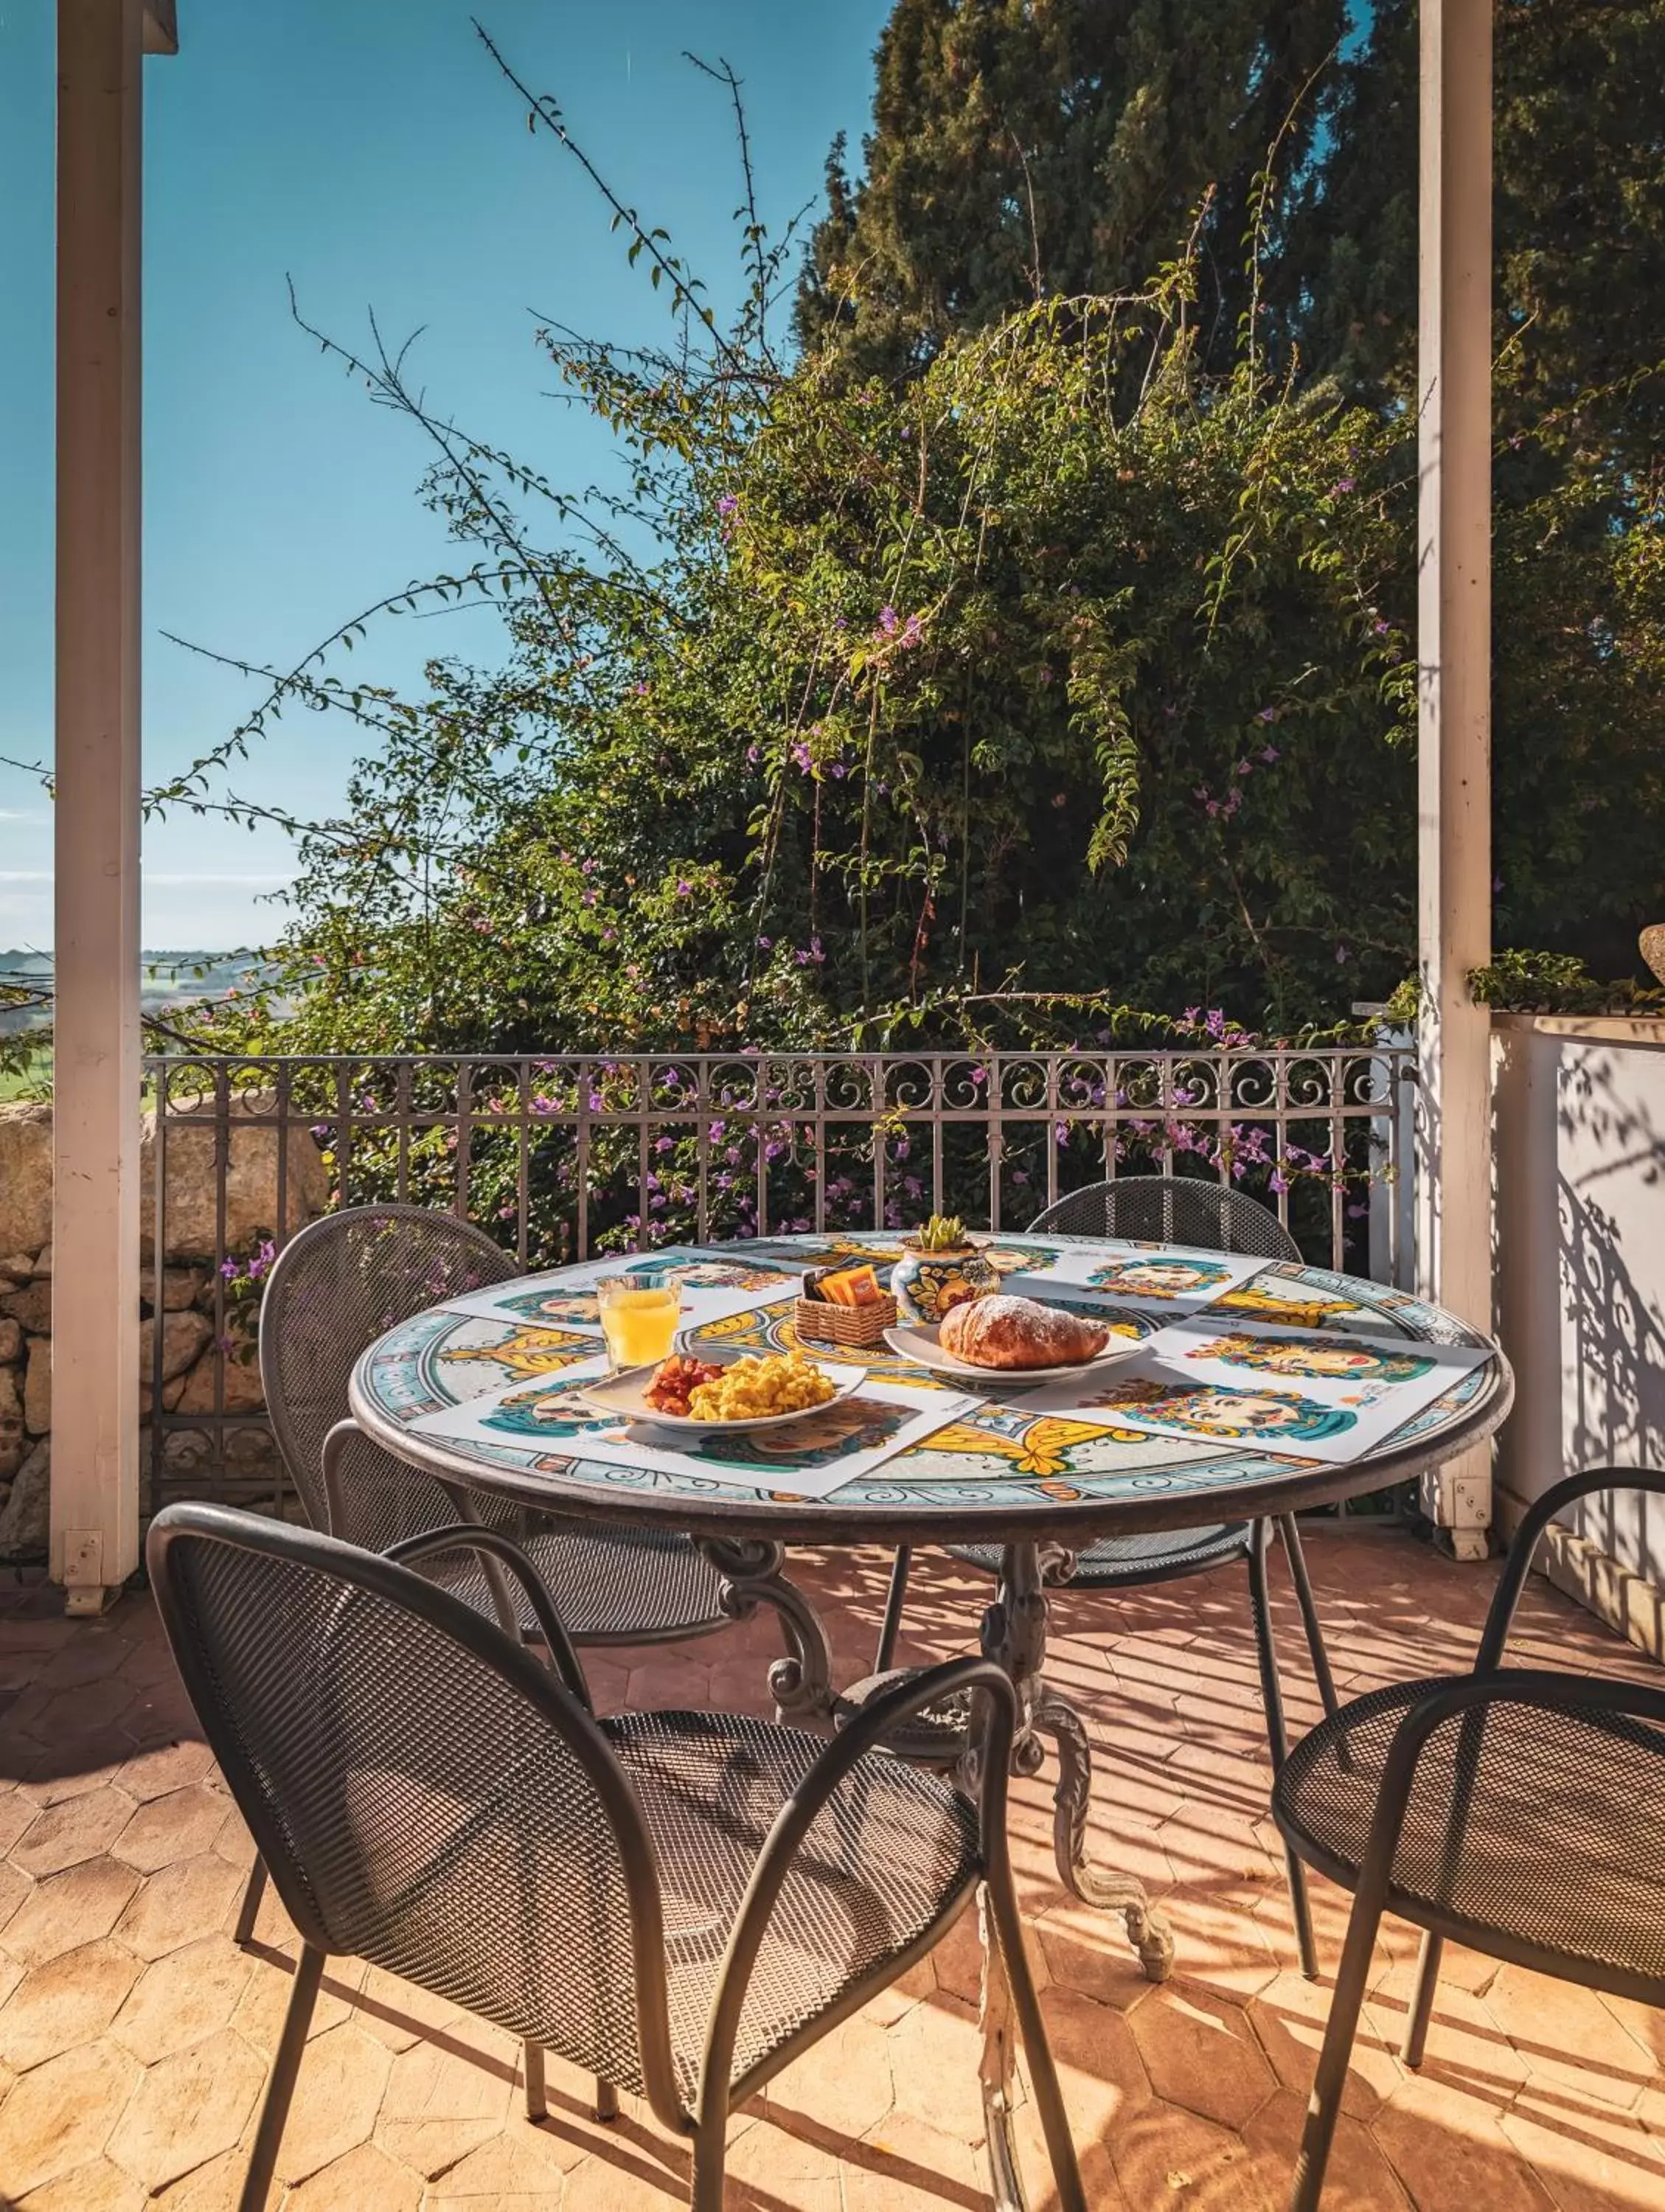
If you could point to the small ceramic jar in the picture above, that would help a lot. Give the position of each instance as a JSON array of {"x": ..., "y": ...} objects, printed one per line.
[{"x": 926, "y": 1284}]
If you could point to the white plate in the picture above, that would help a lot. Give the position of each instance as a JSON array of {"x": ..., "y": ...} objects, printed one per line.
[
  {"x": 625, "y": 1397},
  {"x": 919, "y": 1343}
]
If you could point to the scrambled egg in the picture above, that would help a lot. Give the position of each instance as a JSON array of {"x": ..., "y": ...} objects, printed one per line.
[{"x": 784, "y": 1383}]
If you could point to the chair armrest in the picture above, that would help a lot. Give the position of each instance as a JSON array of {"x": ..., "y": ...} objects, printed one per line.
[
  {"x": 492, "y": 1546},
  {"x": 1538, "y": 1518},
  {"x": 792, "y": 1823}
]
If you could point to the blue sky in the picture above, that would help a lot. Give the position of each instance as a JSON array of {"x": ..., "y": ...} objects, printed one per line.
[{"x": 369, "y": 148}]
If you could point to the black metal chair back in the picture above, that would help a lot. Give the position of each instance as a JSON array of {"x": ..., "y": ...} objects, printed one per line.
[
  {"x": 1171, "y": 1210},
  {"x": 429, "y": 1797},
  {"x": 338, "y": 1285},
  {"x": 1516, "y": 1810},
  {"x": 425, "y": 1793}
]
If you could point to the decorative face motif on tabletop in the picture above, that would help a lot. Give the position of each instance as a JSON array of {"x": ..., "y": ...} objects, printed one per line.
[
  {"x": 546, "y": 1414},
  {"x": 707, "y": 1274},
  {"x": 1160, "y": 1278},
  {"x": 1274, "y": 1417},
  {"x": 1332, "y": 1359},
  {"x": 850, "y": 1427},
  {"x": 527, "y": 1351}
]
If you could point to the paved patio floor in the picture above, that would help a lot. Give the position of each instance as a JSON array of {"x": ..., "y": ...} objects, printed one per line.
[{"x": 135, "y": 2037}]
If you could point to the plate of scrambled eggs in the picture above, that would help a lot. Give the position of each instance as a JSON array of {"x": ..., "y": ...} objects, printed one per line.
[{"x": 727, "y": 1393}]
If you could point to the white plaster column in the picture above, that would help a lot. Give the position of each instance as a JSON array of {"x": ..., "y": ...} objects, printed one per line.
[
  {"x": 95, "y": 1201},
  {"x": 1453, "y": 649}
]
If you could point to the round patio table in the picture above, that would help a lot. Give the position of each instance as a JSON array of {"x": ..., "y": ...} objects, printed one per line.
[{"x": 1038, "y": 1487}]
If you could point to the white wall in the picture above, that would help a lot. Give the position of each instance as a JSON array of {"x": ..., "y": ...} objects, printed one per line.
[{"x": 1579, "y": 1151}]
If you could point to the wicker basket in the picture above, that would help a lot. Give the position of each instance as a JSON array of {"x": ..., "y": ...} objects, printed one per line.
[{"x": 859, "y": 1327}]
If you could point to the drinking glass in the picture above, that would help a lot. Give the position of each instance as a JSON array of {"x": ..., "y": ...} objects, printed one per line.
[{"x": 638, "y": 1319}]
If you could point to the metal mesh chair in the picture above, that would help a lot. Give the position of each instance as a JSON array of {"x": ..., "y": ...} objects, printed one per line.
[
  {"x": 340, "y": 1284},
  {"x": 1518, "y": 1811},
  {"x": 337, "y": 1285},
  {"x": 1171, "y": 1210},
  {"x": 1212, "y": 1217},
  {"x": 679, "y": 1903}
]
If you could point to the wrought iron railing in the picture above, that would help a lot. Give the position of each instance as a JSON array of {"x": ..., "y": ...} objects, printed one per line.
[{"x": 563, "y": 1155}]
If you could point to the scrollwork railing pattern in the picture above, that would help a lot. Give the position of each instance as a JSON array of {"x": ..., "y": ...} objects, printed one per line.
[{"x": 564, "y": 1155}]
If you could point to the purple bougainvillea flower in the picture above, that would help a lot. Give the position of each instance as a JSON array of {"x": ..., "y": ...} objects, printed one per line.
[
  {"x": 888, "y": 617},
  {"x": 727, "y": 503},
  {"x": 683, "y": 887},
  {"x": 1270, "y": 753}
]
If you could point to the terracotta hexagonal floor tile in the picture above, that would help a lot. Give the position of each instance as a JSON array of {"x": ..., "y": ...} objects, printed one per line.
[
  {"x": 1200, "y": 2051},
  {"x": 1218, "y": 1943},
  {"x": 908, "y": 2155},
  {"x": 503, "y": 2171},
  {"x": 16, "y": 1811},
  {"x": 1596, "y": 2162},
  {"x": 265, "y": 1998},
  {"x": 337, "y": 2098},
  {"x": 1171, "y": 2159},
  {"x": 1289, "y": 2017},
  {"x": 364, "y": 2180},
  {"x": 99, "y": 2187},
  {"x": 215, "y": 2187},
  {"x": 60, "y": 2116},
  {"x": 189, "y": 2108},
  {"x": 182, "y": 1999},
  {"x": 398, "y": 2014},
  {"x": 1093, "y": 2049},
  {"x": 68, "y": 1910},
  {"x": 1448, "y": 2149},
  {"x": 65, "y": 2002},
  {"x": 934, "y": 2054},
  {"x": 152, "y": 1773},
  {"x": 179, "y": 1824},
  {"x": 179, "y": 1903},
  {"x": 842, "y": 2085},
  {"x": 444, "y": 2099},
  {"x": 73, "y": 1829},
  {"x": 1464, "y": 2046},
  {"x": 1568, "y": 2037},
  {"x": 768, "y": 2166},
  {"x": 1358, "y": 2178},
  {"x": 14, "y": 1888},
  {"x": 96, "y": 1657},
  {"x": 1096, "y": 2167}
]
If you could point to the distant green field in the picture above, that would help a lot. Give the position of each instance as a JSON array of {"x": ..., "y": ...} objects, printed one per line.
[{"x": 34, "y": 1081}]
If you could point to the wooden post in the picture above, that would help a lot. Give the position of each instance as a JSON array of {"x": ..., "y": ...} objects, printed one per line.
[
  {"x": 1454, "y": 626},
  {"x": 95, "y": 1199}
]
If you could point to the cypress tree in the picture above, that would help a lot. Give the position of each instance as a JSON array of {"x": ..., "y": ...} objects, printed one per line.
[
  {"x": 1579, "y": 132},
  {"x": 1023, "y": 148}
]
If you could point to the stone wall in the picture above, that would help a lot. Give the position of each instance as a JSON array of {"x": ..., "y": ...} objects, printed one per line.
[{"x": 180, "y": 1303}]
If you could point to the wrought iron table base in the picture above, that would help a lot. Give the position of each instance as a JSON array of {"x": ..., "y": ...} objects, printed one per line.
[{"x": 1014, "y": 1635}]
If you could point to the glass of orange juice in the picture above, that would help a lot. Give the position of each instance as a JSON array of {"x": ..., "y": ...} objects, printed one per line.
[{"x": 638, "y": 1319}]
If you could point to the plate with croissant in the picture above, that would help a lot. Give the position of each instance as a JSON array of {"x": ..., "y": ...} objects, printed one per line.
[{"x": 1011, "y": 1336}]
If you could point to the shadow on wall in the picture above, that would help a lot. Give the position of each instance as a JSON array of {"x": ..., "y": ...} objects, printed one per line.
[{"x": 1610, "y": 1191}]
